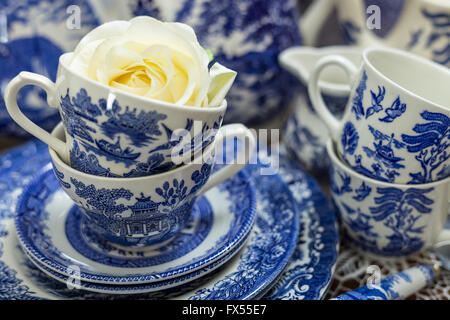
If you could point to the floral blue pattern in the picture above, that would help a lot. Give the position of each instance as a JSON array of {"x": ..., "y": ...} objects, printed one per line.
[
  {"x": 40, "y": 191},
  {"x": 349, "y": 138},
  {"x": 18, "y": 165},
  {"x": 440, "y": 27},
  {"x": 106, "y": 216},
  {"x": 398, "y": 210},
  {"x": 430, "y": 144},
  {"x": 127, "y": 130},
  {"x": 27, "y": 50}
]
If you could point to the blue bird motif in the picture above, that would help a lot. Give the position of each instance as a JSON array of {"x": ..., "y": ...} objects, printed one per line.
[
  {"x": 376, "y": 101},
  {"x": 396, "y": 110}
]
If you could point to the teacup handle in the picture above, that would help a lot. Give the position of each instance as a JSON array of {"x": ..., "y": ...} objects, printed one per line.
[
  {"x": 235, "y": 130},
  {"x": 334, "y": 124},
  {"x": 13, "y": 87}
]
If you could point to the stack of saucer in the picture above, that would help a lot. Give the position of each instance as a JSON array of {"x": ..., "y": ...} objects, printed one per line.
[
  {"x": 292, "y": 244},
  {"x": 390, "y": 155}
]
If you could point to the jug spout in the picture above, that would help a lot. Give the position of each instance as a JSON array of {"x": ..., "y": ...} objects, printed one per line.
[{"x": 300, "y": 61}]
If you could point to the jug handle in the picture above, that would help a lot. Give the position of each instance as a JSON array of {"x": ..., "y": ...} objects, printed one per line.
[
  {"x": 313, "y": 19},
  {"x": 335, "y": 125}
]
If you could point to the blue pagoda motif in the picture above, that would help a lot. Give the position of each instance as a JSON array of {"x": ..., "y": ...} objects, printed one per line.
[{"x": 145, "y": 218}]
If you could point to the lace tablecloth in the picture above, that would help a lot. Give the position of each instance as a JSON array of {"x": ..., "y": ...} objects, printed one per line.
[{"x": 351, "y": 272}]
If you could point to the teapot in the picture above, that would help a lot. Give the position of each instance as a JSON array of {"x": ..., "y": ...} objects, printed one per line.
[{"x": 419, "y": 26}]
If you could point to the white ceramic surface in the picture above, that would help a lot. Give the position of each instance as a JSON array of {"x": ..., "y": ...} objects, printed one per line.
[
  {"x": 148, "y": 210},
  {"x": 384, "y": 218},
  {"x": 396, "y": 125}
]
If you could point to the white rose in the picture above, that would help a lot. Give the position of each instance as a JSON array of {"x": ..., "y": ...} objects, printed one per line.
[{"x": 155, "y": 59}]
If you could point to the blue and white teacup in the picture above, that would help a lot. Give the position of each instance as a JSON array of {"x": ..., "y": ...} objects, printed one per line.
[
  {"x": 114, "y": 133},
  {"x": 150, "y": 210},
  {"x": 305, "y": 135},
  {"x": 388, "y": 219},
  {"x": 396, "y": 126}
]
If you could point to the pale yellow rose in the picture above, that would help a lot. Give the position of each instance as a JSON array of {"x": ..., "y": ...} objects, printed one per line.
[{"x": 155, "y": 59}]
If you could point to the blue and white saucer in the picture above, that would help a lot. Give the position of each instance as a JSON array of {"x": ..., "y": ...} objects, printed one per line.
[
  {"x": 51, "y": 230},
  {"x": 271, "y": 258}
]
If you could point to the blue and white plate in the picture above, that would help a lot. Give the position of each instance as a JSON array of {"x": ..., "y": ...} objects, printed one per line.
[
  {"x": 51, "y": 230},
  {"x": 311, "y": 263}
]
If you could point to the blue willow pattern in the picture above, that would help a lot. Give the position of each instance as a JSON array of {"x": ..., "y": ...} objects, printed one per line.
[
  {"x": 431, "y": 146},
  {"x": 124, "y": 126},
  {"x": 33, "y": 156},
  {"x": 440, "y": 22},
  {"x": 147, "y": 215},
  {"x": 398, "y": 210}
]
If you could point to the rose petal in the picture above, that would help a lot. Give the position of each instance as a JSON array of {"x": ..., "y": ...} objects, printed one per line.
[{"x": 222, "y": 79}]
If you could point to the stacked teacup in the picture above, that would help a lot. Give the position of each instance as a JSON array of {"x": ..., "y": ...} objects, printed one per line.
[
  {"x": 390, "y": 151},
  {"x": 141, "y": 120}
]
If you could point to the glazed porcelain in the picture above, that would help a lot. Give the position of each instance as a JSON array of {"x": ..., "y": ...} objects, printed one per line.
[
  {"x": 255, "y": 32},
  {"x": 384, "y": 218},
  {"x": 113, "y": 133},
  {"x": 33, "y": 34},
  {"x": 396, "y": 287},
  {"x": 270, "y": 246},
  {"x": 52, "y": 231},
  {"x": 396, "y": 126},
  {"x": 147, "y": 210},
  {"x": 305, "y": 135},
  {"x": 417, "y": 26}
]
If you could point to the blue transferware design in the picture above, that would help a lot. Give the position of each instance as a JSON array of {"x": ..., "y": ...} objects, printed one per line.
[
  {"x": 357, "y": 102},
  {"x": 127, "y": 130},
  {"x": 362, "y": 192},
  {"x": 60, "y": 176},
  {"x": 22, "y": 49},
  {"x": 349, "y": 138},
  {"x": 394, "y": 111},
  {"x": 130, "y": 224},
  {"x": 308, "y": 273},
  {"x": 32, "y": 211},
  {"x": 346, "y": 181},
  {"x": 296, "y": 137},
  {"x": 430, "y": 144},
  {"x": 350, "y": 32},
  {"x": 88, "y": 162},
  {"x": 394, "y": 287},
  {"x": 440, "y": 22},
  {"x": 391, "y": 113},
  {"x": 256, "y": 32},
  {"x": 398, "y": 210},
  {"x": 386, "y": 164},
  {"x": 377, "y": 98},
  {"x": 317, "y": 229},
  {"x": 142, "y": 128},
  {"x": 305, "y": 135}
]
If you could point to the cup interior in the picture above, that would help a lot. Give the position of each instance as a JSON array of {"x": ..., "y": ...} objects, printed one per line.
[
  {"x": 417, "y": 75},
  {"x": 64, "y": 70}
]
